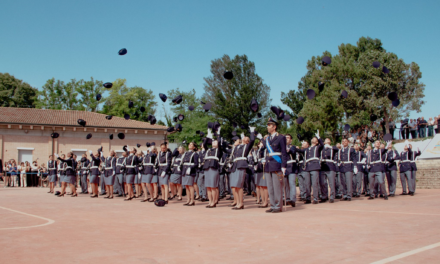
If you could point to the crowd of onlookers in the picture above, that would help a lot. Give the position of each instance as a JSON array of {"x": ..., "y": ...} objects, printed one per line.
[
  {"x": 420, "y": 128},
  {"x": 25, "y": 174}
]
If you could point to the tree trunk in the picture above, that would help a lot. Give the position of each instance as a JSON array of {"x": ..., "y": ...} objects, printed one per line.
[{"x": 387, "y": 127}]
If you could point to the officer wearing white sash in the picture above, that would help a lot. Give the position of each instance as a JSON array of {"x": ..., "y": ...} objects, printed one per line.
[{"x": 275, "y": 167}]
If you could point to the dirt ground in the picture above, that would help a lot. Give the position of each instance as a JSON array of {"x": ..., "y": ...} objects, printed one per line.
[{"x": 37, "y": 227}]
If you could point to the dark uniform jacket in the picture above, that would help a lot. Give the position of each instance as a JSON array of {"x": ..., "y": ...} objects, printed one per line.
[
  {"x": 292, "y": 163},
  {"x": 120, "y": 165},
  {"x": 329, "y": 158},
  {"x": 110, "y": 166},
  {"x": 311, "y": 156},
  {"x": 52, "y": 167},
  {"x": 375, "y": 160},
  {"x": 360, "y": 163},
  {"x": 163, "y": 162},
  {"x": 240, "y": 153},
  {"x": 94, "y": 168},
  {"x": 69, "y": 166},
  {"x": 346, "y": 158},
  {"x": 148, "y": 163},
  {"x": 176, "y": 163},
  {"x": 405, "y": 160},
  {"x": 190, "y": 160},
  {"x": 131, "y": 164},
  {"x": 84, "y": 166},
  {"x": 278, "y": 145},
  {"x": 413, "y": 160},
  {"x": 390, "y": 160}
]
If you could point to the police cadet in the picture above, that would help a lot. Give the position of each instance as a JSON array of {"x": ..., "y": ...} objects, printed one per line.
[
  {"x": 366, "y": 187},
  {"x": 301, "y": 171},
  {"x": 391, "y": 169},
  {"x": 52, "y": 168},
  {"x": 275, "y": 167},
  {"x": 110, "y": 173},
  {"x": 239, "y": 167},
  {"x": 414, "y": 166},
  {"x": 291, "y": 172},
  {"x": 312, "y": 167},
  {"x": 346, "y": 157},
  {"x": 328, "y": 171},
  {"x": 84, "y": 171},
  {"x": 376, "y": 172},
  {"x": 148, "y": 171},
  {"x": 131, "y": 164},
  {"x": 176, "y": 174},
  {"x": 260, "y": 180},
  {"x": 61, "y": 170},
  {"x": 405, "y": 170},
  {"x": 94, "y": 172},
  {"x": 201, "y": 195},
  {"x": 222, "y": 171},
  {"x": 338, "y": 182},
  {"x": 211, "y": 167},
  {"x": 249, "y": 179},
  {"x": 360, "y": 163},
  {"x": 189, "y": 165},
  {"x": 120, "y": 168},
  {"x": 163, "y": 169}
]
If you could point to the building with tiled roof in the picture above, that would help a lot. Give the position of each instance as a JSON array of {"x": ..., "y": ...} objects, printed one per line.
[{"x": 25, "y": 133}]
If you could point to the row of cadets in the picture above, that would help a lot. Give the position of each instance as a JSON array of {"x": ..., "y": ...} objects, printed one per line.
[
  {"x": 211, "y": 167},
  {"x": 52, "y": 167},
  {"x": 70, "y": 176}
]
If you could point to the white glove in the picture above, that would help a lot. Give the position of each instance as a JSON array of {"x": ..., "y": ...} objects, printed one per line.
[
  {"x": 218, "y": 131},
  {"x": 242, "y": 135},
  {"x": 255, "y": 167},
  {"x": 188, "y": 171},
  {"x": 162, "y": 174},
  {"x": 56, "y": 155},
  {"x": 283, "y": 170},
  {"x": 209, "y": 135},
  {"x": 388, "y": 144},
  {"x": 259, "y": 136},
  {"x": 327, "y": 146},
  {"x": 302, "y": 142},
  {"x": 102, "y": 155},
  {"x": 355, "y": 170},
  {"x": 317, "y": 134},
  {"x": 406, "y": 143},
  {"x": 364, "y": 160},
  {"x": 114, "y": 173},
  {"x": 91, "y": 152},
  {"x": 230, "y": 165},
  {"x": 252, "y": 129}
]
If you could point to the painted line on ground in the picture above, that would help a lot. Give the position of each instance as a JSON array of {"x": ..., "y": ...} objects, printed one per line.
[
  {"x": 49, "y": 221},
  {"x": 406, "y": 254},
  {"x": 365, "y": 211}
]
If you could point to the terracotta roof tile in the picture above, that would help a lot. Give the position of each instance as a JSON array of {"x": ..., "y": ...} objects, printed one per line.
[{"x": 12, "y": 115}]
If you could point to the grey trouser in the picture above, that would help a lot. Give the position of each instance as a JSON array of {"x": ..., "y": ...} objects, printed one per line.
[
  {"x": 291, "y": 191},
  {"x": 221, "y": 185},
  {"x": 348, "y": 183},
  {"x": 338, "y": 188},
  {"x": 366, "y": 188},
  {"x": 84, "y": 187},
  {"x": 392, "y": 180},
  {"x": 286, "y": 188},
  {"x": 329, "y": 176},
  {"x": 275, "y": 185},
  {"x": 311, "y": 182},
  {"x": 119, "y": 184},
  {"x": 201, "y": 184},
  {"x": 414, "y": 180},
  {"x": 302, "y": 189},
  {"x": 357, "y": 182},
  {"x": 404, "y": 178},
  {"x": 377, "y": 177},
  {"x": 229, "y": 184}
]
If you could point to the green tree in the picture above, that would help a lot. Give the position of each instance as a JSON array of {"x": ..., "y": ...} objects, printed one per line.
[
  {"x": 351, "y": 70},
  {"x": 116, "y": 103},
  {"x": 16, "y": 93},
  {"x": 194, "y": 120},
  {"x": 231, "y": 98},
  {"x": 88, "y": 91},
  {"x": 50, "y": 96}
]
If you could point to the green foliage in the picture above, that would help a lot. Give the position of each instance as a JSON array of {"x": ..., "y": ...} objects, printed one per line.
[
  {"x": 88, "y": 91},
  {"x": 194, "y": 120},
  {"x": 231, "y": 98},
  {"x": 116, "y": 103},
  {"x": 16, "y": 93},
  {"x": 367, "y": 88},
  {"x": 51, "y": 95}
]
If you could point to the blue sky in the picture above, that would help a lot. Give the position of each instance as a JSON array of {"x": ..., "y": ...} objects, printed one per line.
[{"x": 171, "y": 43}]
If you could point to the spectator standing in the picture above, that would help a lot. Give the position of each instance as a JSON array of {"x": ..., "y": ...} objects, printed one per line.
[
  {"x": 413, "y": 128},
  {"x": 392, "y": 127},
  {"x": 418, "y": 128},
  {"x": 422, "y": 124},
  {"x": 23, "y": 175},
  {"x": 431, "y": 124},
  {"x": 28, "y": 174},
  {"x": 13, "y": 173},
  {"x": 34, "y": 172}
]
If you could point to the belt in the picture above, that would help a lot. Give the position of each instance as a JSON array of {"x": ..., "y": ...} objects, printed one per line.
[
  {"x": 327, "y": 160},
  {"x": 211, "y": 157},
  {"x": 405, "y": 161},
  {"x": 188, "y": 164},
  {"x": 377, "y": 161},
  {"x": 94, "y": 167},
  {"x": 148, "y": 164},
  {"x": 263, "y": 160},
  {"x": 347, "y": 162},
  {"x": 129, "y": 166},
  {"x": 163, "y": 165},
  {"x": 413, "y": 161},
  {"x": 52, "y": 168},
  {"x": 275, "y": 154},
  {"x": 291, "y": 161},
  {"x": 360, "y": 163},
  {"x": 301, "y": 161},
  {"x": 221, "y": 164},
  {"x": 119, "y": 164},
  {"x": 176, "y": 165},
  {"x": 315, "y": 158},
  {"x": 242, "y": 158},
  {"x": 68, "y": 167},
  {"x": 109, "y": 168}
]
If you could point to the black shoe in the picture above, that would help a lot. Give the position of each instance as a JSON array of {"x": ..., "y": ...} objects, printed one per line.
[
  {"x": 276, "y": 211},
  {"x": 375, "y": 196},
  {"x": 119, "y": 195},
  {"x": 323, "y": 200},
  {"x": 204, "y": 200},
  {"x": 403, "y": 194},
  {"x": 248, "y": 194},
  {"x": 381, "y": 196},
  {"x": 269, "y": 211},
  {"x": 308, "y": 202},
  {"x": 385, "y": 198},
  {"x": 370, "y": 198},
  {"x": 292, "y": 204},
  {"x": 411, "y": 194},
  {"x": 332, "y": 201},
  {"x": 315, "y": 202},
  {"x": 391, "y": 195},
  {"x": 363, "y": 193},
  {"x": 366, "y": 195},
  {"x": 343, "y": 199},
  {"x": 263, "y": 206},
  {"x": 230, "y": 198},
  {"x": 348, "y": 199}
]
